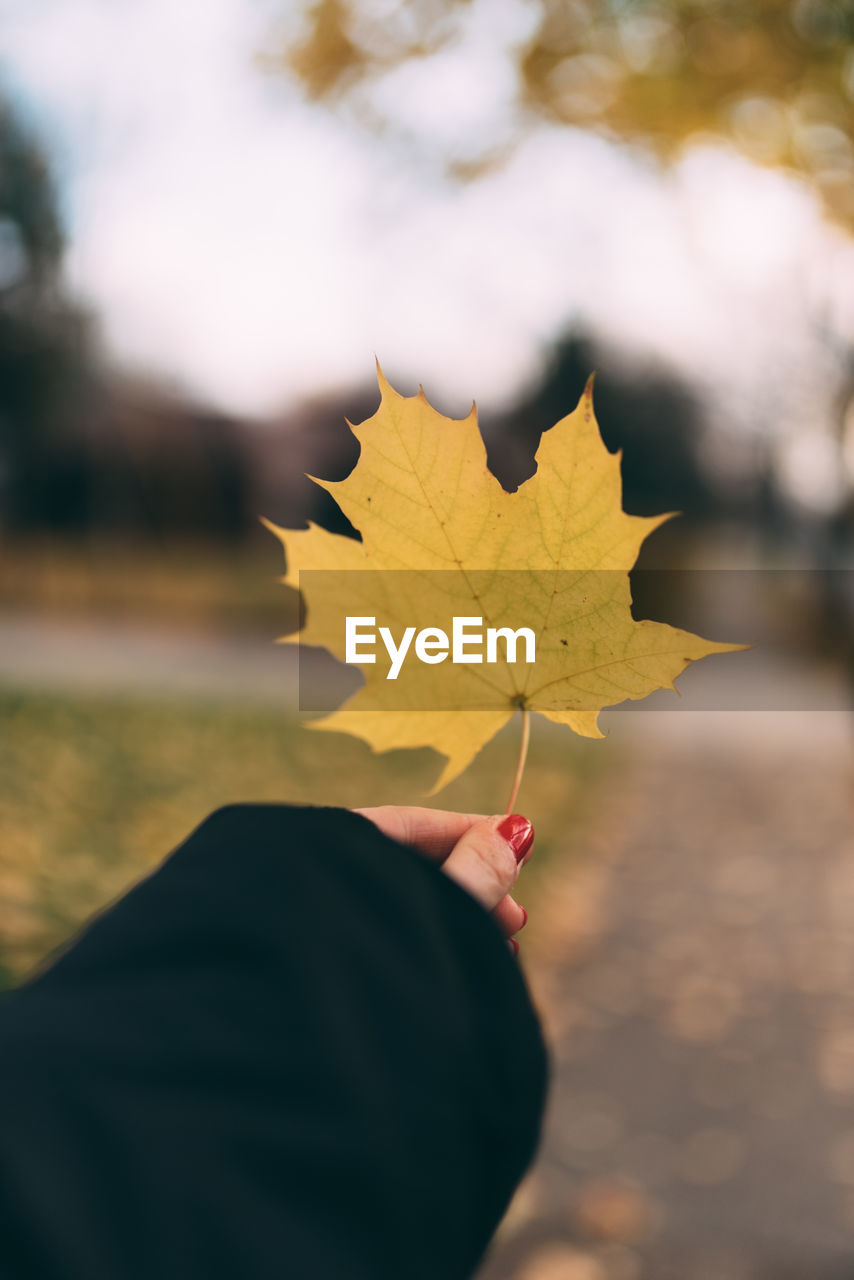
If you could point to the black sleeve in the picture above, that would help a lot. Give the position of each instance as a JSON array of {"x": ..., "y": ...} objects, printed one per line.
[{"x": 295, "y": 1050}]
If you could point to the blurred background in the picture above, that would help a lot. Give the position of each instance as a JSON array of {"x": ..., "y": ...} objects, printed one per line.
[{"x": 212, "y": 217}]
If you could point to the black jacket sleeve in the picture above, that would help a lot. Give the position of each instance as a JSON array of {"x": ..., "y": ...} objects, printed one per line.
[{"x": 295, "y": 1050}]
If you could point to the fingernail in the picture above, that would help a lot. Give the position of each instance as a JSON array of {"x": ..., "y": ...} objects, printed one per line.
[
  {"x": 515, "y": 946},
  {"x": 524, "y": 917},
  {"x": 518, "y": 833}
]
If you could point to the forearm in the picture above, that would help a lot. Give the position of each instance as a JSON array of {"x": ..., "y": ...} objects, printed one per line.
[{"x": 295, "y": 1040}]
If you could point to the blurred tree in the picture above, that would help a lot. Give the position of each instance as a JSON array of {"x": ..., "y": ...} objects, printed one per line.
[
  {"x": 774, "y": 77},
  {"x": 83, "y": 450},
  {"x": 42, "y": 338},
  {"x": 646, "y": 412},
  {"x": 30, "y": 233}
]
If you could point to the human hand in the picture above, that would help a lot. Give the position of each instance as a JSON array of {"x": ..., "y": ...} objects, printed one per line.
[{"x": 484, "y": 855}]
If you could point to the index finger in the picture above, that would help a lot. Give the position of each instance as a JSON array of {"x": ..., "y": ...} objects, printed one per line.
[{"x": 433, "y": 832}]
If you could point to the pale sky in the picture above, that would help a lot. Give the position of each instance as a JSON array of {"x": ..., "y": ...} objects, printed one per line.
[{"x": 258, "y": 250}]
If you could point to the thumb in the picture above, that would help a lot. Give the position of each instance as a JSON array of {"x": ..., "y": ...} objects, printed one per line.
[{"x": 487, "y": 858}]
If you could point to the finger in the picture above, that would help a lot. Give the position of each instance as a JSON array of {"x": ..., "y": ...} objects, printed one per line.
[
  {"x": 433, "y": 832},
  {"x": 486, "y": 859},
  {"x": 509, "y": 916}
]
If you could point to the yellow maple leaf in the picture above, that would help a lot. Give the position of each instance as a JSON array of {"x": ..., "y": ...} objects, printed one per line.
[{"x": 440, "y": 538}]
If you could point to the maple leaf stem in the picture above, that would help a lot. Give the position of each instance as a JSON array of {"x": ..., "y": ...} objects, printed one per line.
[{"x": 523, "y": 755}]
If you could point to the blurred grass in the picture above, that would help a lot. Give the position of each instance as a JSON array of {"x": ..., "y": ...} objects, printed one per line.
[
  {"x": 95, "y": 791},
  {"x": 179, "y": 583}
]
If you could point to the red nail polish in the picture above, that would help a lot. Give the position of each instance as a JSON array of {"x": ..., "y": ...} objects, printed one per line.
[
  {"x": 518, "y": 833},
  {"x": 524, "y": 918},
  {"x": 515, "y": 945}
]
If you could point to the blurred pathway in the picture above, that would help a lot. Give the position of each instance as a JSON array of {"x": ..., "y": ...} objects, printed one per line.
[
  {"x": 702, "y": 1113},
  {"x": 61, "y": 654},
  {"x": 695, "y": 967},
  {"x": 107, "y": 655}
]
